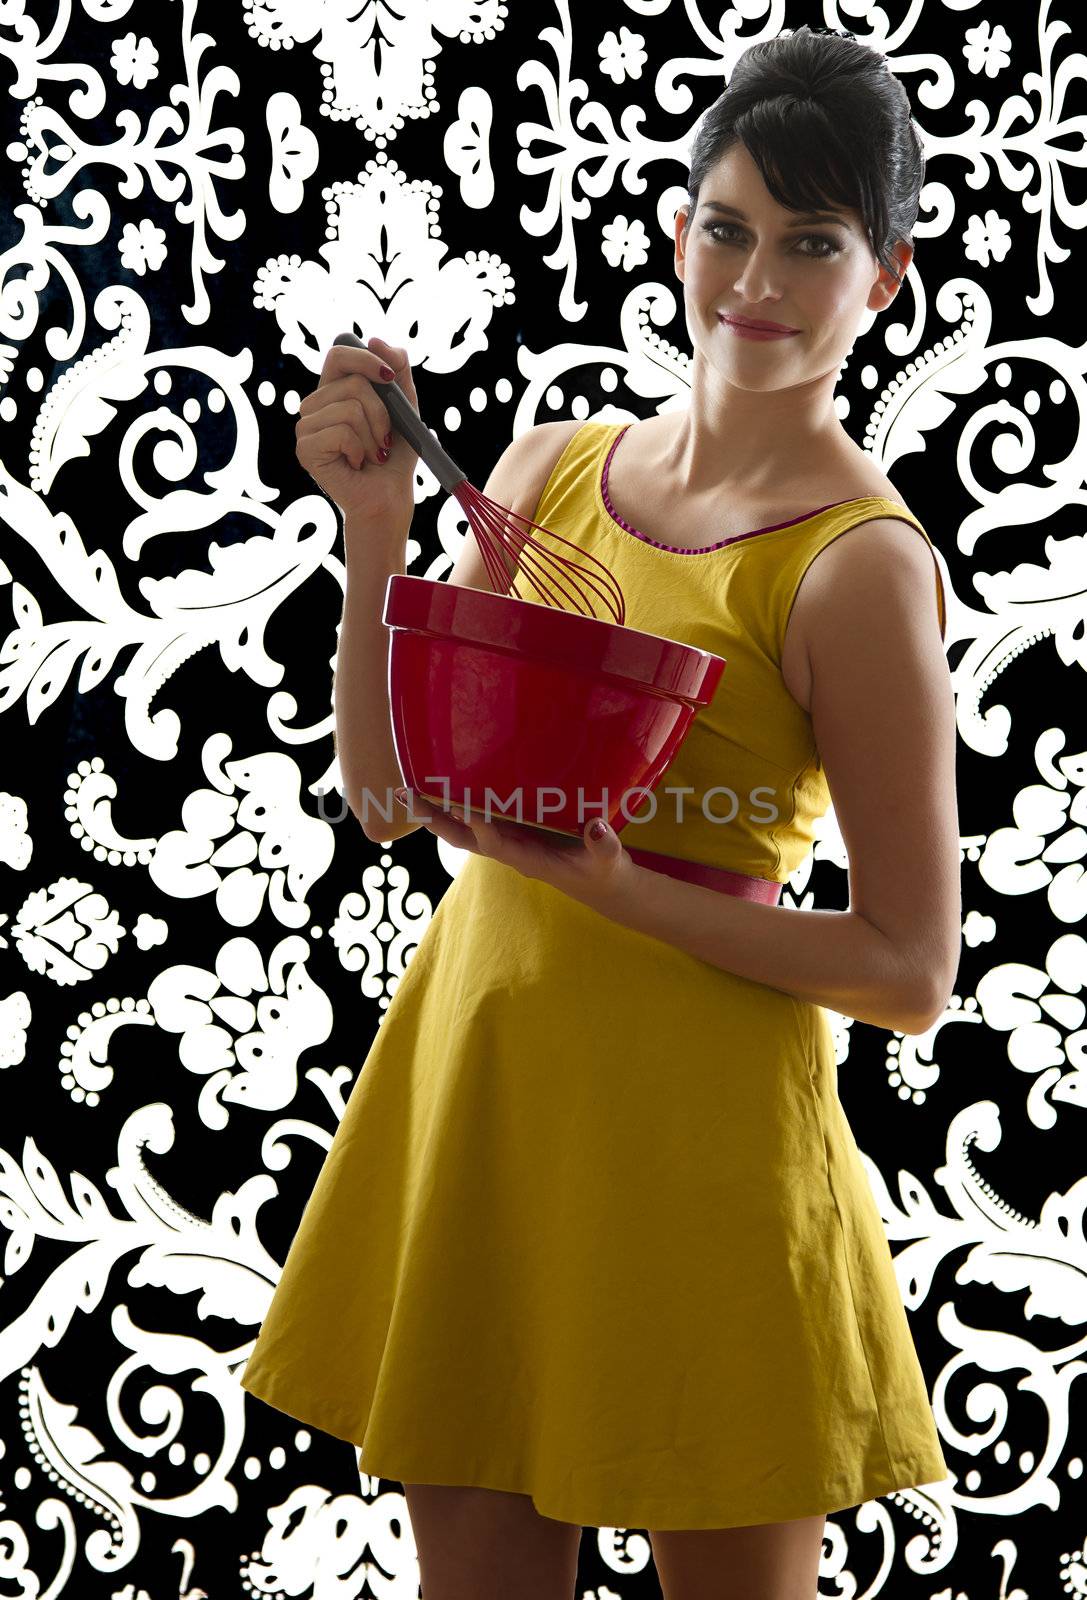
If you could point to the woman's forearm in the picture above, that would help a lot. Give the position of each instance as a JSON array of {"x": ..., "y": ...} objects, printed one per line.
[
  {"x": 836, "y": 959},
  {"x": 363, "y": 722}
]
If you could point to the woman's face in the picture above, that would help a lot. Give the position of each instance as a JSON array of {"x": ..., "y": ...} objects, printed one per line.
[{"x": 816, "y": 277}]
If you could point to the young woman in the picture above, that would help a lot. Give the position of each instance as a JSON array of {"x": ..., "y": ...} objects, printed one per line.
[{"x": 594, "y": 1244}]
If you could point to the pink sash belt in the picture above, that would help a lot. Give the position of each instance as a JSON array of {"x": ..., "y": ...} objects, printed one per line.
[{"x": 721, "y": 878}]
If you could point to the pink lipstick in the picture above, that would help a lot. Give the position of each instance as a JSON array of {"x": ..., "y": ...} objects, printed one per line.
[{"x": 745, "y": 330}]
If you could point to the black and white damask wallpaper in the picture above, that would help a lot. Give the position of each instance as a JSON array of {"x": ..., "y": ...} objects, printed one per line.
[{"x": 195, "y": 955}]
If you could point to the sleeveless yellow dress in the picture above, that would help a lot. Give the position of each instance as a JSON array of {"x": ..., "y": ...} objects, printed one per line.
[{"x": 594, "y": 1227}]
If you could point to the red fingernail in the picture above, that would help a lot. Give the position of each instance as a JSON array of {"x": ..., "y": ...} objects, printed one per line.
[
  {"x": 388, "y": 374},
  {"x": 383, "y": 455},
  {"x": 598, "y": 830}
]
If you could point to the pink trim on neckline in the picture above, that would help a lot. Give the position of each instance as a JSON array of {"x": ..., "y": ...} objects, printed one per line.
[{"x": 697, "y": 550}]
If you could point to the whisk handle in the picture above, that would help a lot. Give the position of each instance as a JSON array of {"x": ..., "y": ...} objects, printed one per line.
[{"x": 407, "y": 421}]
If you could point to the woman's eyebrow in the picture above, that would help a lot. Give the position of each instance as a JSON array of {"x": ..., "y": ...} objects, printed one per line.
[{"x": 814, "y": 216}]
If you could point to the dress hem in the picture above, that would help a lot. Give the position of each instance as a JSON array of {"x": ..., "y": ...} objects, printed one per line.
[{"x": 913, "y": 1472}]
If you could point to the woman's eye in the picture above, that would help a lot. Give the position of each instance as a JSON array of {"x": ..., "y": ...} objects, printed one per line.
[{"x": 832, "y": 247}]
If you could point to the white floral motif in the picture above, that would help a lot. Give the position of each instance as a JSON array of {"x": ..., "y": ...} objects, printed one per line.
[
  {"x": 148, "y": 931},
  {"x": 465, "y": 148},
  {"x": 1041, "y": 1010},
  {"x": 135, "y": 61},
  {"x": 68, "y": 931},
  {"x": 180, "y": 148},
  {"x": 441, "y": 309},
  {"x": 14, "y": 1022},
  {"x": 622, "y": 56},
  {"x": 295, "y": 152},
  {"x": 186, "y": 612},
  {"x": 142, "y": 247},
  {"x": 376, "y": 932},
  {"x": 987, "y": 239},
  {"x": 1045, "y": 846},
  {"x": 16, "y": 845},
  {"x": 987, "y": 49},
  {"x": 625, "y": 243},
  {"x": 222, "y": 1260},
  {"x": 243, "y": 1026},
  {"x": 378, "y": 60},
  {"x": 246, "y": 841}
]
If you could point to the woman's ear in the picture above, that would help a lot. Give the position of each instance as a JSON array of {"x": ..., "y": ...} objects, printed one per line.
[
  {"x": 886, "y": 286},
  {"x": 681, "y": 244}
]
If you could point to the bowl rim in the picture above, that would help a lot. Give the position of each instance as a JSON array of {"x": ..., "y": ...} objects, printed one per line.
[{"x": 530, "y": 631}]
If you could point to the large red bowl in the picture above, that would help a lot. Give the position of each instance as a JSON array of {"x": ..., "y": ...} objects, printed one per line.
[{"x": 561, "y": 717}]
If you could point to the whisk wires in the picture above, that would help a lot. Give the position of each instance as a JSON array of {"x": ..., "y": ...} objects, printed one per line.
[{"x": 546, "y": 571}]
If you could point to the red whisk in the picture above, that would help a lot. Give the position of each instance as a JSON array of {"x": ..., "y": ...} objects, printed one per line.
[{"x": 490, "y": 523}]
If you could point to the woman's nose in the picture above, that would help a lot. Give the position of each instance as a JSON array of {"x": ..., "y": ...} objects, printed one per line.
[{"x": 760, "y": 276}]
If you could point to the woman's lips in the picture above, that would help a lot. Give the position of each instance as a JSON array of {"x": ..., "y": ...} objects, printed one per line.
[{"x": 745, "y": 332}]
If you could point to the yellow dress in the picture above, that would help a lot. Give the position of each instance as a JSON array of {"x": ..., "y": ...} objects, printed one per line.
[{"x": 594, "y": 1227}]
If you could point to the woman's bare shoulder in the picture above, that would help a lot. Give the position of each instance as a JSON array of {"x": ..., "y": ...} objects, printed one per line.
[
  {"x": 532, "y": 459},
  {"x": 863, "y": 565}
]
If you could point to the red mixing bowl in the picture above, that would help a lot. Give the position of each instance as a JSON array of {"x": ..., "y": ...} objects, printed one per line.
[{"x": 560, "y": 717}]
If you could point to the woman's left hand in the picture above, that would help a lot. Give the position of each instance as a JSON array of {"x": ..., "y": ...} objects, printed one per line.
[{"x": 590, "y": 870}]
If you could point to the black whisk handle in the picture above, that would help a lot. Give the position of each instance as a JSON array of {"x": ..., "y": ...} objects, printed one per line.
[{"x": 407, "y": 421}]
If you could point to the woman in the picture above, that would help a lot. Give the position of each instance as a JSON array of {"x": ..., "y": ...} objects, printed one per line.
[{"x": 594, "y": 1243}]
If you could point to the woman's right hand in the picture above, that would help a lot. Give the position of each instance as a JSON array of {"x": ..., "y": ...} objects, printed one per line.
[{"x": 342, "y": 426}]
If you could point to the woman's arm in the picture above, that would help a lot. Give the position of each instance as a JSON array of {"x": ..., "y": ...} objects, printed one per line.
[{"x": 883, "y": 718}]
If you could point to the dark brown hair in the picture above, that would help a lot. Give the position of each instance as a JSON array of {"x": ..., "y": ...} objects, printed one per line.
[{"x": 827, "y": 124}]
